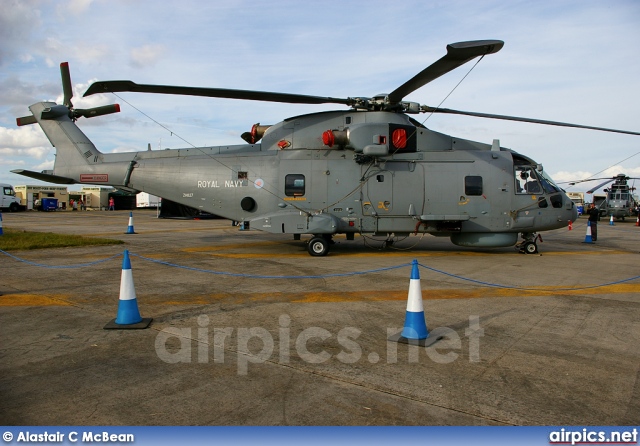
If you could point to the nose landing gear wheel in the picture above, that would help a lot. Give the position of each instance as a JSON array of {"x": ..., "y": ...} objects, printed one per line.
[{"x": 318, "y": 246}]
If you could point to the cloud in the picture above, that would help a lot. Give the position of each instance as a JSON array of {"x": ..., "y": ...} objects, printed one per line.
[
  {"x": 146, "y": 56},
  {"x": 26, "y": 137},
  {"x": 17, "y": 19},
  {"x": 47, "y": 165},
  {"x": 31, "y": 152},
  {"x": 75, "y": 7},
  {"x": 12, "y": 163}
]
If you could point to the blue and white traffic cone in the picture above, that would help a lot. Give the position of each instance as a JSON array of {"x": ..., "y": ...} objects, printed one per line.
[
  {"x": 588, "y": 238},
  {"x": 130, "y": 228},
  {"x": 128, "y": 314},
  {"x": 611, "y": 221},
  {"x": 1, "y": 233},
  {"x": 415, "y": 325}
]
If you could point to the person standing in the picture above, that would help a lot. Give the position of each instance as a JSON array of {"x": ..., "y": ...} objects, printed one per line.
[
  {"x": 112, "y": 204},
  {"x": 594, "y": 216}
]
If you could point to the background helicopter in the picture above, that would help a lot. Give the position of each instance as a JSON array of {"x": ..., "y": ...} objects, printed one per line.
[
  {"x": 620, "y": 201},
  {"x": 371, "y": 169}
]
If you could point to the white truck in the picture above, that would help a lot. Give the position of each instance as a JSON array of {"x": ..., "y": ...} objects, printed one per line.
[
  {"x": 145, "y": 200},
  {"x": 8, "y": 199}
]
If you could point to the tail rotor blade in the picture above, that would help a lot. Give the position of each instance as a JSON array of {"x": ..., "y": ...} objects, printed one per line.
[
  {"x": 66, "y": 84},
  {"x": 26, "y": 120},
  {"x": 96, "y": 111}
]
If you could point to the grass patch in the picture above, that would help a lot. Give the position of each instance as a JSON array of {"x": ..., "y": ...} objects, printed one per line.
[{"x": 18, "y": 240}]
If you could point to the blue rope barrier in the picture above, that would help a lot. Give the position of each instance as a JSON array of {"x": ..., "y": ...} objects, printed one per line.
[
  {"x": 42, "y": 265},
  {"x": 322, "y": 276},
  {"x": 493, "y": 285}
]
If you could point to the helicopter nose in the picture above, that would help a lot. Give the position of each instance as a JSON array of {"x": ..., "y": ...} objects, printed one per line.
[{"x": 574, "y": 213}]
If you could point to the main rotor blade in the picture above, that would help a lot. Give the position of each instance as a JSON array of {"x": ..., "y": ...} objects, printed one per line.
[
  {"x": 66, "y": 84},
  {"x": 592, "y": 190},
  {"x": 428, "y": 109},
  {"x": 117, "y": 86},
  {"x": 457, "y": 54},
  {"x": 571, "y": 183}
]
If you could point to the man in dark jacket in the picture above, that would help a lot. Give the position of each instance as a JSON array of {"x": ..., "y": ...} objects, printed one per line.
[{"x": 594, "y": 216}]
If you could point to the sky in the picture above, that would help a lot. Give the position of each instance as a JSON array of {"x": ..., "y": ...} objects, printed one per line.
[{"x": 563, "y": 60}]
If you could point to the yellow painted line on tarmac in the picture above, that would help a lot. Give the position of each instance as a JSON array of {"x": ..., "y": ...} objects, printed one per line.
[
  {"x": 43, "y": 300},
  {"x": 35, "y": 300},
  {"x": 432, "y": 294},
  {"x": 390, "y": 295}
]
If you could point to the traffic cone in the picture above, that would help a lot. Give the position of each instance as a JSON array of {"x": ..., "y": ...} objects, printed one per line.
[
  {"x": 611, "y": 221},
  {"x": 130, "y": 228},
  {"x": 415, "y": 326},
  {"x": 1, "y": 233},
  {"x": 637, "y": 222},
  {"x": 588, "y": 238},
  {"x": 570, "y": 225},
  {"x": 128, "y": 315}
]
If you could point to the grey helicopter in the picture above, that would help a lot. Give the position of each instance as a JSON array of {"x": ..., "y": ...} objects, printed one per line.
[
  {"x": 620, "y": 201},
  {"x": 370, "y": 170}
]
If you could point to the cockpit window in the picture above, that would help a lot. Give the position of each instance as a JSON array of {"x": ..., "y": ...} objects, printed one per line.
[
  {"x": 547, "y": 183},
  {"x": 527, "y": 180},
  {"x": 531, "y": 181}
]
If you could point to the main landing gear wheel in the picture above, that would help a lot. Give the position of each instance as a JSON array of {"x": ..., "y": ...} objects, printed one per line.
[
  {"x": 528, "y": 244},
  {"x": 530, "y": 248},
  {"x": 318, "y": 246}
]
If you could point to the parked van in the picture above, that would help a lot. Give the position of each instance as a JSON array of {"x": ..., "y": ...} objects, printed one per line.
[{"x": 8, "y": 199}]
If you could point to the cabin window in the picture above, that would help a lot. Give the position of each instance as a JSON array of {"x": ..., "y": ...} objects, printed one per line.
[
  {"x": 473, "y": 185},
  {"x": 380, "y": 178},
  {"x": 294, "y": 185}
]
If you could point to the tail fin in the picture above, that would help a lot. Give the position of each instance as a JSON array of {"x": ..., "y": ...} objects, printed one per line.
[{"x": 75, "y": 153}]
